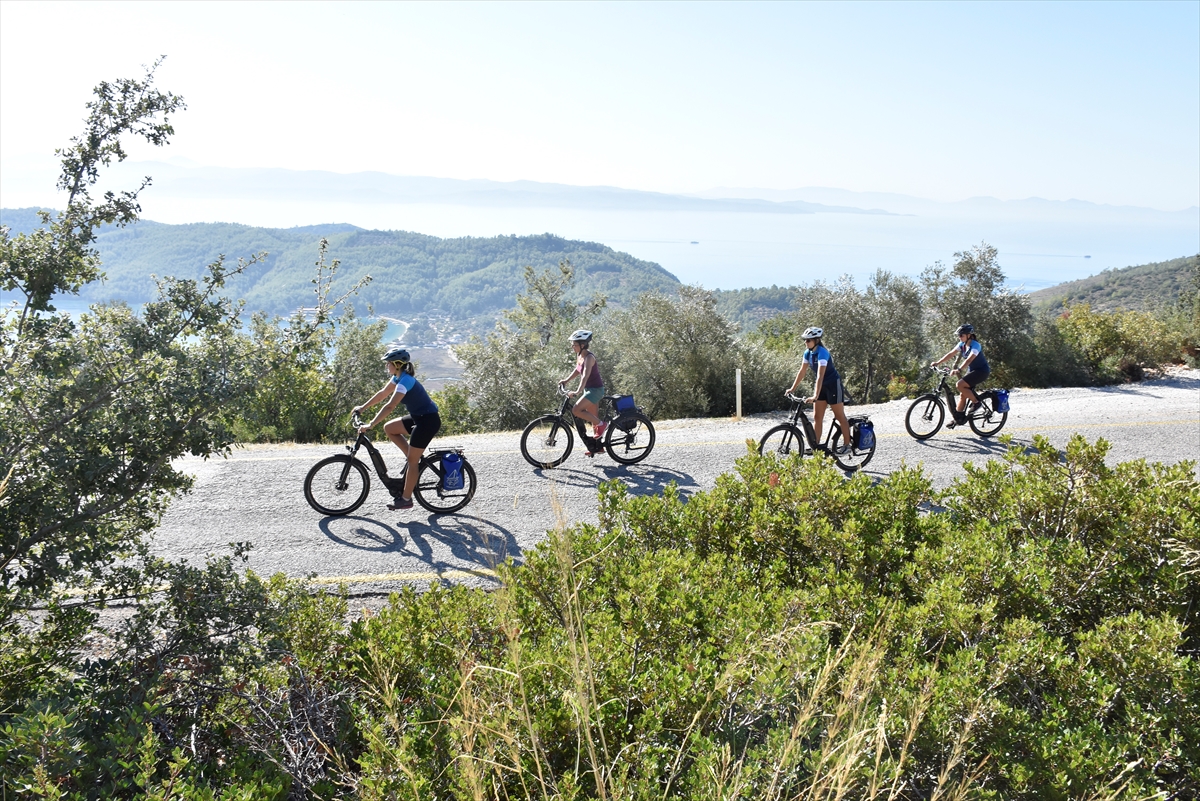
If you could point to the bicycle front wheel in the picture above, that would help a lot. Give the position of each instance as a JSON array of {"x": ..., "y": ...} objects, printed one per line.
[
  {"x": 925, "y": 417},
  {"x": 337, "y": 485},
  {"x": 546, "y": 442},
  {"x": 986, "y": 421},
  {"x": 430, "y": 493},
  {"x": 630, "y": 438},
  {"x": 854, "y": 458},
  {"x": 783, "y": 440}
]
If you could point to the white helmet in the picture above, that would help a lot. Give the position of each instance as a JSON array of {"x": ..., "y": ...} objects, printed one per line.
[
  {"x": 813, "y": 332},
  {"x": 581, "y": 335}
]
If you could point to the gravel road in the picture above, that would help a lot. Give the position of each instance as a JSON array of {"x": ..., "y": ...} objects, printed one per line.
[{"x": 257, "y": 493}]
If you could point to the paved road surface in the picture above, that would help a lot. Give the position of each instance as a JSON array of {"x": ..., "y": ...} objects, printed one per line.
[{"x": 257, "y": 494}]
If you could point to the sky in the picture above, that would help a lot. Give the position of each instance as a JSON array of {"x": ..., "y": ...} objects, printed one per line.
[{"x": 1095, "y": 101}]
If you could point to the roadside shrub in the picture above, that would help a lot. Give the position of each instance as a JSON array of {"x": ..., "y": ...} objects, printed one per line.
[{"x": 1117, "y": 346}]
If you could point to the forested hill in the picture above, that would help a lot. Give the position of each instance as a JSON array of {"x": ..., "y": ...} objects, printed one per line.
[
  {"x": 1144, "y": 287},
  {"x": 466, "y": 278}
]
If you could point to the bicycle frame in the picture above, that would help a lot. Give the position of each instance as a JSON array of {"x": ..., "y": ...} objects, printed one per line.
[
  {"x": 800, "y": 418},
  {"x": 567, "y": 415},
  {"x": 395, "y": 484}
]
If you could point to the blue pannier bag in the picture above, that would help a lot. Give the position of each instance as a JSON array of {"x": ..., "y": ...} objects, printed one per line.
[
  {"x": 624, "y": 403},
  {"x": 866, "y": 435},
  {"x": 1002, "y": 400},
  {"x": 452, "y": 477}
]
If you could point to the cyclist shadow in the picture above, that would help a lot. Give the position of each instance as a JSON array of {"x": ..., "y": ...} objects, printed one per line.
[
  {"x": 641, "y": 479},
  {"x": 470, "y": 539},
  {"x": 966, "y": 446},
  {"x": 649, "y": 479}
]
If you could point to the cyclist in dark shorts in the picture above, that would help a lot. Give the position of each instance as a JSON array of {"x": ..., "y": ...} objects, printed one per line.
[
  {"x": 591, "y": 383},
  {"x": 413, "y": 432},
  {"x": 974, "y": 370},
  {"x": 827, "y": 390}
]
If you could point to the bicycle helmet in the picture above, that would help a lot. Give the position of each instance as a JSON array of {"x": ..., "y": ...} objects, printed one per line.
[
  {"x": 581, "y": 335},
  {"x": 965, "y": 328},
  {"x": 813, "y": 332},
  {"x": 397, "y": 355}
]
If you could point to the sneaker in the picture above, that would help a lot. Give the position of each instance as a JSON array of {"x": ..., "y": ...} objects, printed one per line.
[
  {"x": 972, "y": 407},
  {"x": 401, "y": 503},
  {"x": 841, "y": 450},
  {"x": 600, "y": 428},
  {"x": 952, "y": 424}
]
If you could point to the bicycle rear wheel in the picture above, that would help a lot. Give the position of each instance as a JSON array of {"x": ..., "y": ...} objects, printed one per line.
[
  {"x": 854, "y": 458},
  {"x": 632, "y": 440},
  {"x": 546, "y": 442},
  {"x": 925, "y": 417},
  {"x": 783, "y": 440},
  {"x": 337, "y": 485},
  {"x": 430, "y": 493},
  {"x": 986, "y": 421}
]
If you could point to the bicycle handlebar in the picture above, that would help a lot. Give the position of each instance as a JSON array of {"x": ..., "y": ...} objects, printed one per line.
[{"x": 795, "y": 398}]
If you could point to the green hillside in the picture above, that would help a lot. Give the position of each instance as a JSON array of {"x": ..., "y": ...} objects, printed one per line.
[
  {"x": 1144, "y": 287},
  {"x": 468, "y": 278}
]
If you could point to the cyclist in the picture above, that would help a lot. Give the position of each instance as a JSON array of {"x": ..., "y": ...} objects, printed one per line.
[
  {"x": 974, "y": 370},
  {"x": 827, "y": 388},
  {"x": 591, "y": 384},
  {"x": 413, "y": 432}
]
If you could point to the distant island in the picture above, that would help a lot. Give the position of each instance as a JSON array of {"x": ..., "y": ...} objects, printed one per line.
[{"x": 462, "y": 284}]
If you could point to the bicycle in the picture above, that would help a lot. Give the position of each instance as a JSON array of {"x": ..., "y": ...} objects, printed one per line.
[
  {"x": 787, "y": 438},
  {"x": 547, "y": 441},
  {"x": 928, "y": 412},
  {"x": 339, "y": 484}
]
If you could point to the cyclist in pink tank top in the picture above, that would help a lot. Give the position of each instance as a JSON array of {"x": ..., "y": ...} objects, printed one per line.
[{"x": 591, "y": 384}]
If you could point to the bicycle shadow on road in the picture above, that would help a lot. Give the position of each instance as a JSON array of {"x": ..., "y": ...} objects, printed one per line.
[
  {"x": 966, "y": 446},
  {"x": 469, "y": 539},
  {"x": 641, "y": 479}
]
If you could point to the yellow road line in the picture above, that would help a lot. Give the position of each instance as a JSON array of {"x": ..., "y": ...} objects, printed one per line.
[{"x": 368, "y": 578}]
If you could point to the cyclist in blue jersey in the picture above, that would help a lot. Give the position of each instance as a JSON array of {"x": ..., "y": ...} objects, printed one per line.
[
  {"x": 413, "y": 432},
  {"x": 828, "y": 391},
  {"x": 973, "y": 370}
]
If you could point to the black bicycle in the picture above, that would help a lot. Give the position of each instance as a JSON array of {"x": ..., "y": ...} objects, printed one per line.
[
  {"x": 928, "y": 412},
  {"x": 340, "y": 484},
  {"x": 788, "y": 438},
  {"x": 547, "y": 441}
]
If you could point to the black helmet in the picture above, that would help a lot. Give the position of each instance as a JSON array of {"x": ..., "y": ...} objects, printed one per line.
[
  {"x": 965, "y": 328},
  {"x": 397, "y": 354}
]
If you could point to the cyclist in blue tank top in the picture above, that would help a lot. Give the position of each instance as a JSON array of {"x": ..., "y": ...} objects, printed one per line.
[
  {"x": 974, "y": 370},
  {"x": 827, "y": 389},
  {"x": 413, "y": 432}
]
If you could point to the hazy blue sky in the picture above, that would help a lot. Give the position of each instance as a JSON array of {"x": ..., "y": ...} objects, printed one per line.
[{"x": 1098, "y": 101}]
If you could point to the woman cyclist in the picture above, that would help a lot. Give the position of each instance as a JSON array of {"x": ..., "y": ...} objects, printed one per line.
[
  {"x": 412, "y": 433},
  {"x": 591, "y": 384},
  {"x": 974, "y": 370},
  {"x": 827, "y": 389}
]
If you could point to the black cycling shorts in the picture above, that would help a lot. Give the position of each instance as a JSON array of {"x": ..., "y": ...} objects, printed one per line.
[
  {"x": 832, "y": 392},
  {"x": 422, "y": 429},
  {"x": 975, "y": 378}
]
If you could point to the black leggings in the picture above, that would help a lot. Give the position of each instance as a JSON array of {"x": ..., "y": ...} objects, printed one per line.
[{"x": 422, "y": 429}]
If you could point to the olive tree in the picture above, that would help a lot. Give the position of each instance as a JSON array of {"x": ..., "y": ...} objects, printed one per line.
[
  {"x": 94, "y": 410},
  {"x": 510, "y": 375},
  {"x": 972, "y": 291}
]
